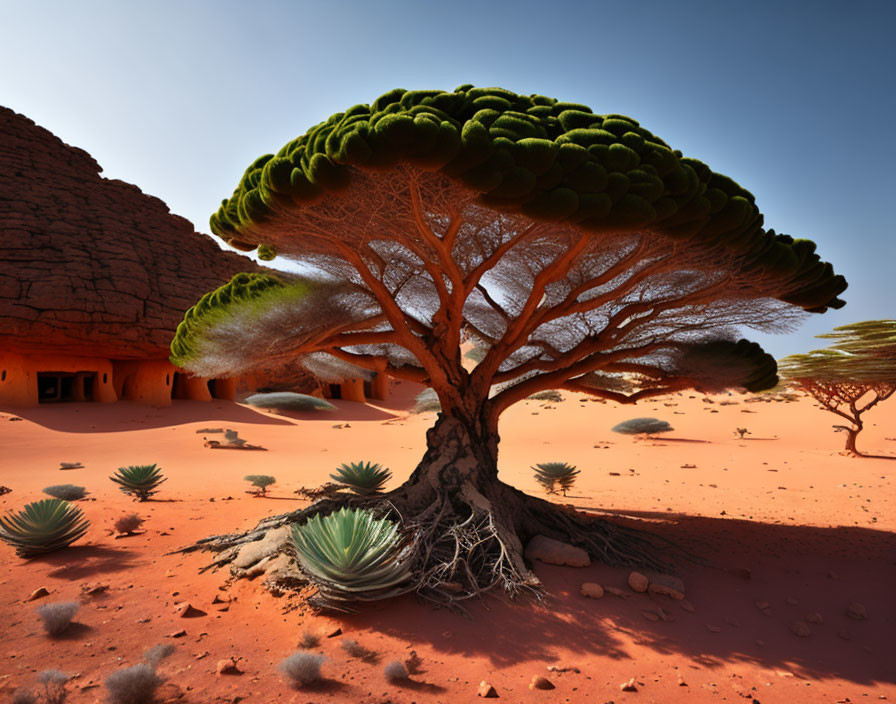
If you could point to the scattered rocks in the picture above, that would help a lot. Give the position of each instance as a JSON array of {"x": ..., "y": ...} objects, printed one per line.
[
  {"x": 227, "y": 666},
  {"x": 486, "y": 691},
  {"x": 857, "y": 611},
  {"x": 629, "y": 686},
  {"x": 801, "y": 629},
  {"x": 539, "y": 682},
  {"x": 38, "y": 593},
  {"x": 591, "y": 590},
  {"x": 638, "y": 582},
  {"x": 553, "y": 552}
]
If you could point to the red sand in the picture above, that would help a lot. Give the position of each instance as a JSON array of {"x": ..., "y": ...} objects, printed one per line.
[{"x": 812, "y": 526}]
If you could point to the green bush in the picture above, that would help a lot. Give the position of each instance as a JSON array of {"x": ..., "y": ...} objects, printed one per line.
[
  {"x": 552, "y": 475},
  {"x": 351, "y": 555},
  {"x": 66, "y": 492},
  {"x": 362, "y": 477},
  {"x": 289, "y": 401},
  {"x": 140, "y": 481},
  {"x": 642, "y": 426},
  {"x": 43, "y": 526},
  {"x": 260, "y": 481}
]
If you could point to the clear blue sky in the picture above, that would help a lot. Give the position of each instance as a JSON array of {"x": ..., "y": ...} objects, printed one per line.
[{"x": 794, "y": 100}]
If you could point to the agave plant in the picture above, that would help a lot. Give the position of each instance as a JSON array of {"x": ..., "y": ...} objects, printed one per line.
[
  {"x": 553, "y": 474},
  {"x": 43, "y": 526},
  {"x": 362, "y": 477},
  {"x": 351, "y": 555},
  {"x": 140, "y": 481}
]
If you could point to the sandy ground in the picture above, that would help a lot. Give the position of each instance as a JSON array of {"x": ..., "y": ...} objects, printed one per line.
[{"x": 814, "y": 529}]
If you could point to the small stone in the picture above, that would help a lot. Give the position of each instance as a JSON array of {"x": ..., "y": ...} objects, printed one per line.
[
  {"x": 801, "y": 629},
  {"x": 815, "y": 618},
  {"x": 220, "y": 600},
  {"x": 487, "y": 691},
  {"x": 713, "y": 629},
  {"x": 38, "y": 593},
  {"x": 651, "y": 615},
  {"x": 592, "y": 590},
  {"x": 176, "y": 634},
  {"x": 845, "y": 635},
  {"x": 227, "y": 667},
  {"x": 554, "y": 552},
  {"x": 687, "y": 606},
  {"x": 629, "y": 686},
  {"x": 187, "y": 610},
  {"x": 665, "y": 590},
  {"x": 681, "y": 682},
  {"x": 857, "y": 611},
  {"x": 617, "y": 592},
  {"x": 332, "y": 632},
  {"x": 731, "y": 621},
  {"x": 539, "y": 682},
  {"x": 200, "y": 656},
  {"x": 638, "y": 582},
  {"x": 793, "y": 601}
]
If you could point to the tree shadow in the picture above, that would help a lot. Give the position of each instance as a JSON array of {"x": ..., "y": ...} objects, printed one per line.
[
  {"x": 827, "y": 568},
  {"x": 74, "y": 631},
  {"x": 81, "y": 561},
  {"x": 418, "y": 686}
]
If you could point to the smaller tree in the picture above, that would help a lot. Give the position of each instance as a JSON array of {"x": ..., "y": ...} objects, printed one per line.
[{"x": 851, "y": 376}]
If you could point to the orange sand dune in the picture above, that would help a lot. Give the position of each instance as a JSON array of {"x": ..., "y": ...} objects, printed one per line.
[{"x": 814, "y": 528}]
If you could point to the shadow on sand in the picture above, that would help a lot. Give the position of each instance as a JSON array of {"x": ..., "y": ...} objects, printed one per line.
[
  {"x": 827, "y": 568},
  {"x": 83, "y": 561}
]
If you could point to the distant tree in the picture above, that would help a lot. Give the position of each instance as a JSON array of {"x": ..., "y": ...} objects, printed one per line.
[
  {"x": 851, "y": 376},
  {"x": 577, "y": 251}
]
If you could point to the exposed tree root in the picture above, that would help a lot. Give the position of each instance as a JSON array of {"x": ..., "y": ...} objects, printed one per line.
[{"x": 464, "y": 544}]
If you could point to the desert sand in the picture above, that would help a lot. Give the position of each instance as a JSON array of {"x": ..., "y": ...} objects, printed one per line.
[{"x": 787, "y": 522}]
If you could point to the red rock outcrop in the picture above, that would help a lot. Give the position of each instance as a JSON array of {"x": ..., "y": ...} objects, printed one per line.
[{"x": 89, "y": 265}]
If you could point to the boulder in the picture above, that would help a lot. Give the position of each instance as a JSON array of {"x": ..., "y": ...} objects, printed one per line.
[{"x": 553, "y": 552}]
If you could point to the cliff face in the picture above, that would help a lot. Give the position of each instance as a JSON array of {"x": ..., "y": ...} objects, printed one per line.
[{"x": 92, "y": 266}]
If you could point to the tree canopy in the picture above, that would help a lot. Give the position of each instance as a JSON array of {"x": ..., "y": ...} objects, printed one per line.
[{"x": 852, "y": 375}]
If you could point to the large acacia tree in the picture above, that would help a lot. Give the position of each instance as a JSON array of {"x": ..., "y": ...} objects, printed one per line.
[
  {"x": 578, "y": 251},
  {"x": 851, "y": 376}
]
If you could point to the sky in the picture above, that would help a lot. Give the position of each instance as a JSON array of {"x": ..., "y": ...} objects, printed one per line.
[{"x": 793, "y": 99}]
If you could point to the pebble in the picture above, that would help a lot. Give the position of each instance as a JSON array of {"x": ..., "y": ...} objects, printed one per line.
[
  {"x": 815, "y": 617},
  {"x": 629, "y": 686},
  {"x": 592, "y": 590},
  {"x": 801, "y": 629},
  {"x": 38, "y": 593},
  {"x": 487, "y": 691},
  {"x": 638, "y": 582},
  {"x": 187, "y": 610},
  {"x": 227, "y": 667},
  {"x": 539, "y": 682},
  {"x": 857, "y": 611}
]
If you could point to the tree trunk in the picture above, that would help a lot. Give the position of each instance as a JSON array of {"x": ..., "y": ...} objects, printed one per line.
[{"x": 851, "y": 435}]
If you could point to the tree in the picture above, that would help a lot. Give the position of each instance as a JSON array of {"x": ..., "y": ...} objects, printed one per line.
[
  {"x": 577, "y": 251},
  {"x": 860, "y": 365}
]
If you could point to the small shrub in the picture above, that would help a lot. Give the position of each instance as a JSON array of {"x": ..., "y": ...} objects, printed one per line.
[
  {"x": 356, "y": 650},
  {"x": 157, "y": 653},
  {"x": 133, "y": 685},
  {"x": 642, "y": 426},
  {"x": 127, "y": 524},
  {"x": 140, "y": 481},
  {"x": 24, "y": 696},
  {"x": 395, "y": 671},
  {"x": 556, "y": 474},
  {"x": 309, "y": 640},
  {"x": 57, "y": 617},
  {"x": 549, "y": 395},
  {"x": 427, "y": 401},
  {"x": 42, "y": 527},
  {"x": 740, "y": 432},
  {"x": 261, "y": 482},
  {"x": 54, "y": 686},
  {"x": 362, "y": 477},
  {"x": 351, "y": 555},
  {"x": 66, "y": 492},
  {"x": 289, "y": 401},
  {"x": 302, "y": 668}
]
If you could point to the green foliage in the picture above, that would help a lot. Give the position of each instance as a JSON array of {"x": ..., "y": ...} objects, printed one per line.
[
  {"x": 362, "y": 477},
  {"x": 289, "y": 401},
  {"x": 42, "y": 527},
  {"x": 351, "y": 555},
  {"x": 642, "y": 426},
  {"x": 552, "y": 475},
  {"x": 139, "y": 481},
  {"x": 66, "y": 492},
  {"x": 550, "y": 395},
  {"x": 535, "y": 155},
  {"x": 266, "y": 252},
  {"x": 260, "y": 481},
  {"x": 861, "y": 353},
  {"x": 427, "y": 401}
]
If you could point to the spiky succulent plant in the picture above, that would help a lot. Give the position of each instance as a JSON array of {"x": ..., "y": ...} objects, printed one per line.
[
  {"x": 140, "y": 481},
  {"x": 362, "y": 477},
  {"x": 43, "y": 526},
  {"x": 552, "y": 475},
  {"x": 351, "y": 555}
]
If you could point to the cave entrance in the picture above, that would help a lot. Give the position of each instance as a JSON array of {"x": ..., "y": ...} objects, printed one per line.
[
  {"x": 60, "y": 387},
  {"x": 335, "y": 391}
]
